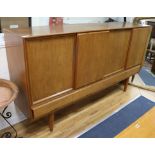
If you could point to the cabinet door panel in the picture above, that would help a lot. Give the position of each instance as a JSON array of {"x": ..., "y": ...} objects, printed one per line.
[
  {"x": 138, "y": 46},
  {"x": 90, "y": 53},
  {"x": 100, "y": 54},
  {"x": 50, "y": 63},
  {"x": 116, "y": 54}
]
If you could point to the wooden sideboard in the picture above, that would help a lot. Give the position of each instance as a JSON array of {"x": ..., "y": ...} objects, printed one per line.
[{"x": 56, "y": 66}]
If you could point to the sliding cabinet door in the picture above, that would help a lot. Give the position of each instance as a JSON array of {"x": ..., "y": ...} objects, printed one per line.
[
  {"x": 50, "y": 63},
  {"x": 91, "y": 50},
  {"x": 117, "y": 45},
  {"x": 100, "y": 54}
]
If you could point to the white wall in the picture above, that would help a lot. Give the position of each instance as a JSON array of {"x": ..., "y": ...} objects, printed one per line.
[
  {"x": 74, "y": 20},
  {"x": 130, "y": 19},
  {"x": 40, "y": 21},
  {"x": 43, "y": 21},
  {"x": 121, "y": 19}
]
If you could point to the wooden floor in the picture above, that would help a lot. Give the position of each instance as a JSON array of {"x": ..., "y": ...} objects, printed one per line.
[
  {"x": 73, "y": 120},
  {"x": 142, "y": 127}
]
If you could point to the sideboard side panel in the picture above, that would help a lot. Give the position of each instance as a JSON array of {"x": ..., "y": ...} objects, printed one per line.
[{"x": 17, "y": 70}]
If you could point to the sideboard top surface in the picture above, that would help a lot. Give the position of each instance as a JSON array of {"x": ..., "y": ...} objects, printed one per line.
[{"x": 39, "y": 31}]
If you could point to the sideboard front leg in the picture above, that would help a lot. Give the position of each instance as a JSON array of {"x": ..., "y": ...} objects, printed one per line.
[
  {"x": 51, "y": 121},
  {"x": 126, "y": 84}
]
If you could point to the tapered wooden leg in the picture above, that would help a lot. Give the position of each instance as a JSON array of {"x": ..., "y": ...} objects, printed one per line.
[
  {"x": 51, "y": 121},
  {"x": 126, "y": 84},
  {"x": 133, "y": 77}
]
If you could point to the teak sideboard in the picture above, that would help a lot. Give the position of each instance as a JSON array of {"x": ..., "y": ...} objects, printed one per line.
[{"x": 58, "y": 65}]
